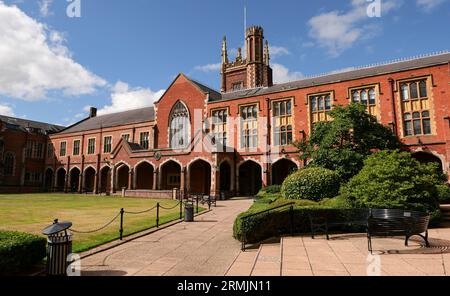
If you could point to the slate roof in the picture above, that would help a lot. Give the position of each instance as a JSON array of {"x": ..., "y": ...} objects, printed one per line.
[
  {"x": 148, "y": 114},
  {"x": 213, "y": 94},
  {"x": 114, "y": 119},
  {"x": 26, "y": 125},
  {"x": 357, "y": 73}
]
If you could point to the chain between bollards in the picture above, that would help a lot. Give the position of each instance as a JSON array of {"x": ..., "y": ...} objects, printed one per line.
[
  {"x": 122, "y": 211},
  {"x": 157, "y": 215},
  {"x": 181, "y": 209}
]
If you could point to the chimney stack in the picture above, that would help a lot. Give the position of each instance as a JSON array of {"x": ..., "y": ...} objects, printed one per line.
[{"x": 93, "y": 112}]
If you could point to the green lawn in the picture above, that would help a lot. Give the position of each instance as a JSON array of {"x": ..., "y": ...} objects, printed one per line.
[{"x": 33, "y": 212}]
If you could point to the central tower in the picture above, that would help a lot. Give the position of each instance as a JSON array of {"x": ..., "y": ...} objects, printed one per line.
[{"x": 253, "y": 71}]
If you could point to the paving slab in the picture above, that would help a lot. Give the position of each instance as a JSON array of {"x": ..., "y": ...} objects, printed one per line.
[{"x": 204, "y": 247}]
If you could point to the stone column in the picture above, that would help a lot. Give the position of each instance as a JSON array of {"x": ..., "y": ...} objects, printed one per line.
[
  {"x": 130, "y": 180},
  {"x": 96, "y": 183},
  {"x": 155, "y": 179},
  {"x": 80, "y": 183},
  {"x": 183, "y": 181},
  {"x": 215, "y": 180},
  {"x": 113, "y": 179}
]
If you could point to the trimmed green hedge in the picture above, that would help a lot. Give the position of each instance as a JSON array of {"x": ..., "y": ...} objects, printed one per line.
[
  {"x": 311, "y": 183},
  {"x": 275, "y": 223},
  {"x": 272, "y": 189},
  {"x": 20, "y": 250}
]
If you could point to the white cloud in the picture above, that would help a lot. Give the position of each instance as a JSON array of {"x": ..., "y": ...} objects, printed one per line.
[
  {"x": 6, "y": 110},
  {"x": 34, "y": 60},
  {"x": 429, "y": 5},
  {"x": 277, "y": 51},
  {"x": 44, "y": 7},
  {"x": 337, "y": 31},
  {"x": 124, "y": 98},
  {"x": 208, "y": 68},
  {"x": 281, "y": 74}
]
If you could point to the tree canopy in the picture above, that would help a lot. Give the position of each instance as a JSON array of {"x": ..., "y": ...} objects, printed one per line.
[{"x": 343, "y": 143}]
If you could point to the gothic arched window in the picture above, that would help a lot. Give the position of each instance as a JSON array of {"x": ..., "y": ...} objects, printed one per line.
[
  {"x": 179, "y": 126},
  {"x": 9, "y": 164}
]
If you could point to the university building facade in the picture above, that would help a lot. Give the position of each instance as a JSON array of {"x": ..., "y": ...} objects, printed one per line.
[{"x": 239, "y": 139}]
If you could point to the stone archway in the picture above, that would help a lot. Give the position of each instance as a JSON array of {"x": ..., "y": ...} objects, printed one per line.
[
  {"x": 225, "y": 177},
  {"x": 61, "y": 179},
  {"x": 48, "y": 185},
  {"x": 250, "y": 178},
  {"x": 89, "y": 179},
  {"x": 105, "y": 180},
  {"x": 426, "y": 157},
  {"x": 281, "y": 169},
  {"x": 122, "y": 178},
  {"x": 200, "y": 177},
  {"x": 144, "y": 176},
  {"x": 170, "y": 175},
  {"x": 74, "y": 179}
]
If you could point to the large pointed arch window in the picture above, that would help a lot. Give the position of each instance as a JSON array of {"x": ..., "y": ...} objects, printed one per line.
[{"x": 179, "y": 126}]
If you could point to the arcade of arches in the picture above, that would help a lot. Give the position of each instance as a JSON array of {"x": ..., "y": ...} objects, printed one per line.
[
  {"x": 196, "y": 178},
  {"x": 245, "y": 180}
]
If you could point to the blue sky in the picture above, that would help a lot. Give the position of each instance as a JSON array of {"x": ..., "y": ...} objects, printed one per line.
[{"x": 123, "y": 54}]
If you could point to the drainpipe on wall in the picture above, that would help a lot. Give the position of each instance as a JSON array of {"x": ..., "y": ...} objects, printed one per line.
[
  {"x": 394, "y": 111},
  {"x": 269, "y": 143}
]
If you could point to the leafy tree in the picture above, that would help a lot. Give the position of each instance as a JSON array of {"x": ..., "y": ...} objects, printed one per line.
[
  {"x": 393, "y": 179},
  {"x": 343, "y": 143}
]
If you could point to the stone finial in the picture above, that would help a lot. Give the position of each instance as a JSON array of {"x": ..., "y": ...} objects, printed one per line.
[
  {"x": 239, "y": 55},
  {"x": 224, "y": 51}
]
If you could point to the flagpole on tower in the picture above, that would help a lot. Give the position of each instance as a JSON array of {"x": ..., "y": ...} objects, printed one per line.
[{"x": 245, "y": 19}]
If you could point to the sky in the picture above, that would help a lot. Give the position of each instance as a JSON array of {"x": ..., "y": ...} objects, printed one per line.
[{"x": 59, "y": 57}]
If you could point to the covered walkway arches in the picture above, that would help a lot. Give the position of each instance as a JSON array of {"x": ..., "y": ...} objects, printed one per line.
[
  {"x": 122, "y": 176},
  {"x": 74, "y": 179},
  {"x": 426, "y": 157},
  {"x": 143, "y": 174},
  {"x": 105, "y": 180},
  {"x": 48, "y": 184},
  {"x": 225, "y": 177},
  {"x": 170, "y": 175},
  {"x": 200, "y": 177},
  {"x": 250, "y": 178},
  {"x": 281, "y": 169},
  {"x": 89, "y": 179},
  {"x": 61, "y": 179}
]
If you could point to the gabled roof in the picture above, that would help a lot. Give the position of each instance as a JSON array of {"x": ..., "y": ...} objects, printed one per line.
[
  {"x": 26, "y": 125},
  {"x": 393, "y": 67},
  {"x": 115, "y": 119},
  {"x": 213, "y": 94}
]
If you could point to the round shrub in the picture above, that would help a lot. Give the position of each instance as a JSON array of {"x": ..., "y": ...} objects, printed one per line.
[
  {"x": 393, "y": 179},
  {"x": 312, "y": 184}
]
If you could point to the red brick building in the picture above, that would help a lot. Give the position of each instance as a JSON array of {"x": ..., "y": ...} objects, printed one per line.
[
  {"x": 22, "y": 154},
  {"x": 239, "y": 139}
]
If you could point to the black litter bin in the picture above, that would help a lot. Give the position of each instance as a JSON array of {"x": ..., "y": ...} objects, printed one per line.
[
  {"x": 59, "y": 247},
  {"x": 189, "y": 213}
]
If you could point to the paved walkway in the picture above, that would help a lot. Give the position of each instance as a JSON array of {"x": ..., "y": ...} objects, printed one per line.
[
  {"x": 205, "y": 247},
  {"x": 346, "y": 255}
]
